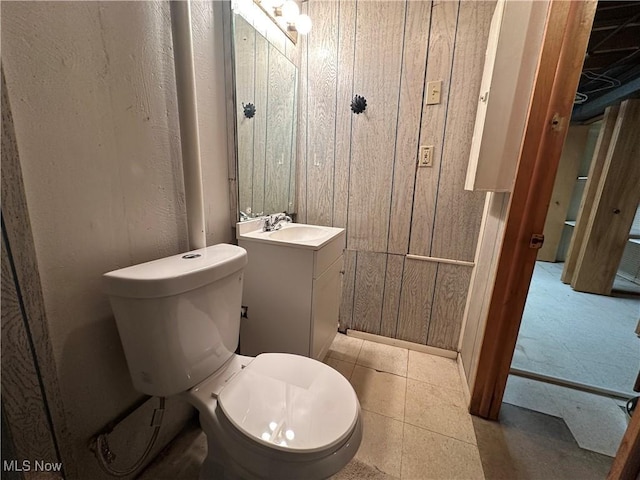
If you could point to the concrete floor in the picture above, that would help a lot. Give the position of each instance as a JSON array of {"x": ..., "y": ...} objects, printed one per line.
[
  {"x": 585, "y": 338},
  {"x": 416, "y": 427},
  {"x": 579, "y": 336}
]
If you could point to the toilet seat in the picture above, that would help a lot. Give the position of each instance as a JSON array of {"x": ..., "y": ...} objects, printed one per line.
[
  {"x": 237, "y": 404},
  {"x": 290, "y": 403}
]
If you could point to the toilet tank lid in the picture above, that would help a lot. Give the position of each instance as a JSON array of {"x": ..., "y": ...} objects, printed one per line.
[{"x": 176, "y": 274}]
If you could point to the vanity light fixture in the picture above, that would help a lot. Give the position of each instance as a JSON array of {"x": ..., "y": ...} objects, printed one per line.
[{"x": 287, "y": 15}]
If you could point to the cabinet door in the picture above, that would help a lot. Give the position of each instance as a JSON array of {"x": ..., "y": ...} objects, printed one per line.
[
  {"x": 327, "y": 291},
  {"x": 511, "y": 59}
]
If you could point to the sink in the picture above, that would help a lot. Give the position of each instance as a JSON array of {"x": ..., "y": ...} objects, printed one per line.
[
  {"x": 302, "y": 233},
  {"x": 297, "y": 235}
]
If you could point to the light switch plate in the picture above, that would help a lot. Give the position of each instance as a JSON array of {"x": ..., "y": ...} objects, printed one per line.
[{"x": 433, "y": 92}]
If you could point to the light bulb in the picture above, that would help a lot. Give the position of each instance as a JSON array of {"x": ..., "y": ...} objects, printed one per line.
[
  {"x": 303, "y": 24},
  {"x": 290, "y": 10}
]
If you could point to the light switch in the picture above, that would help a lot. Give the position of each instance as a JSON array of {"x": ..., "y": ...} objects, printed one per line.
[{"x": 433, "y": 92}]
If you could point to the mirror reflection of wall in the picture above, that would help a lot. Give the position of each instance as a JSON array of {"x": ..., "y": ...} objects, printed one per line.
[{"x": 266, "y": 80}]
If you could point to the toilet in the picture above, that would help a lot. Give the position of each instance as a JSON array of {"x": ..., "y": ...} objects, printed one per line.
[{"x": 275, "y": 416}]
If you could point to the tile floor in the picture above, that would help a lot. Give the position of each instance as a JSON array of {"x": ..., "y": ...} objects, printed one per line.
[
  {"x": 416, "y": 421},
  {"x": 417, "y": 427}
]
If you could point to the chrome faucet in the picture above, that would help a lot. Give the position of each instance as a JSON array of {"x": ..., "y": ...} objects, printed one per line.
[{"x": 273, "y": 222}]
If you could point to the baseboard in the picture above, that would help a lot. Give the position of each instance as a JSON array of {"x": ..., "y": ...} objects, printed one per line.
[
  {"x": 463, "y": 380},
  {"x": 440, "y": 352}
]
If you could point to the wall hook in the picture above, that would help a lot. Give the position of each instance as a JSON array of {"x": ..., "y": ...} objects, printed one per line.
[
  {"x": 249, "y": 110},
  {"x": 358, "y": 104}
]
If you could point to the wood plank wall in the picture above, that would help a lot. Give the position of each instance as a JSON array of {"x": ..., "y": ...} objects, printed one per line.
[{"x": 359, "y": 171}]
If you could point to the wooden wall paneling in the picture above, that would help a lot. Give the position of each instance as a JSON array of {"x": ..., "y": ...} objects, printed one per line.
[
  {"x": 378, "y": 54},
  {"x": 416, "y": 297},
  {"x": 261, "y": 102},
  {"x": 391, "y": 298},
  {"x": 449, "y": 300},
  {"x": 369, "y": 291},
  {"x": 614, "y": 209},
  {"x": 277, "y": 38},
  {"x": 321, "y": 103},
  {"x": 348, "y": 285},
  {"x": 23, "y": 400},
  {"x": 590, "y": 189},
  {"x": 245, "y": 38},
  {"x": 566, "y": 177},
  {"x": 280, "y": 122},
  {"x": 416, "y": 41},
  {"x": 301, "y": 133},
  {"x": 459, "y": 212},
  {"x": 444, "y": 18},
  {"x": 344, "y": 117},
  {"x": 15, "y": 216}
]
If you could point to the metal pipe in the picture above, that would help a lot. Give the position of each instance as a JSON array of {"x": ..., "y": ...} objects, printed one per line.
[{"x": 188, "y": 115}]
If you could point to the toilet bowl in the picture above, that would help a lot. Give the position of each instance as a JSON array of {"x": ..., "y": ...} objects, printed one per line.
[{"x": 276, "y": 416}]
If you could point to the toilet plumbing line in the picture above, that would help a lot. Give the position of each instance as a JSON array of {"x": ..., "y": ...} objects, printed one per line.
[{"x": 105, "y": 456}]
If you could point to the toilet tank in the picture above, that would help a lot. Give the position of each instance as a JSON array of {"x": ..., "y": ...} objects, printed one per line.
[{"x": 178, "y": 317}]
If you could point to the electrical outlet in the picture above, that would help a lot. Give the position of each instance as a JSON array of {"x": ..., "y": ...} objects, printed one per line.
[
  {"x": 433, "y": 92},
  {"x": 426, "y": 156}
]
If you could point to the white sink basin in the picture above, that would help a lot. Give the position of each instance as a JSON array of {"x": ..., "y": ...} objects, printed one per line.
[{"x": 299, "y": 233}]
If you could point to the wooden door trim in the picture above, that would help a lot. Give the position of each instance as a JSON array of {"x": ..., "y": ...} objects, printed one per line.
[{"x": 562, "y": 54}]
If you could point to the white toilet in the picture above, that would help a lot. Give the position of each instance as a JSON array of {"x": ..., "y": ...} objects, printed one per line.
[{"x": 275, "y": 416}]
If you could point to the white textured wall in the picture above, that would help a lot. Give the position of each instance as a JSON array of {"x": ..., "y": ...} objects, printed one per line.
[{"x": 92, "y": 90}]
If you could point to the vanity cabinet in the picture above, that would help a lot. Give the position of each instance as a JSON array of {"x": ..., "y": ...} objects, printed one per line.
[{"x": 292, "y": 294}]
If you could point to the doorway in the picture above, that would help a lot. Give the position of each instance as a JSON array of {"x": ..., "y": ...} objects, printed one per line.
[{"x": 577, "y": 354}]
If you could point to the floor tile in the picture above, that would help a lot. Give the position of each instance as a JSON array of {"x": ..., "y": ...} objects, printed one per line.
[
  {"x": 345, "y": 348},
  {"x": 345, "y": 368},
  {"x": 380, "y": 392},
  {"x": 435, "y": 370},
  {"x": 385, "y": 358},
  {"x": 428, "y": 455},
  {"x": 439, "y": 410},
  {"x": 382, "y": 443}
]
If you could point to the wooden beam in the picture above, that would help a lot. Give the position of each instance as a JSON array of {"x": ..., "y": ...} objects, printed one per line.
[
  {"x": 590, "y": 189},
  {"x": 626, "y": 465},
  {"x": 572, "y": 153},
  {"x": 565, "y": 41},
  {"x": 615, "y": 205}
]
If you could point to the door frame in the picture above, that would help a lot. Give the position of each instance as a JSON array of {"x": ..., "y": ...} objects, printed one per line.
[{"x": 564, "y": 45}]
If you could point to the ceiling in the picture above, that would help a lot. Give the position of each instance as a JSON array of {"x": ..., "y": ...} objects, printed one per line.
[{"x": 611, "y": 70}]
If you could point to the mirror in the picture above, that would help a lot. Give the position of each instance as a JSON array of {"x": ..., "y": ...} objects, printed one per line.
[{"x": 266, "y": 92}]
